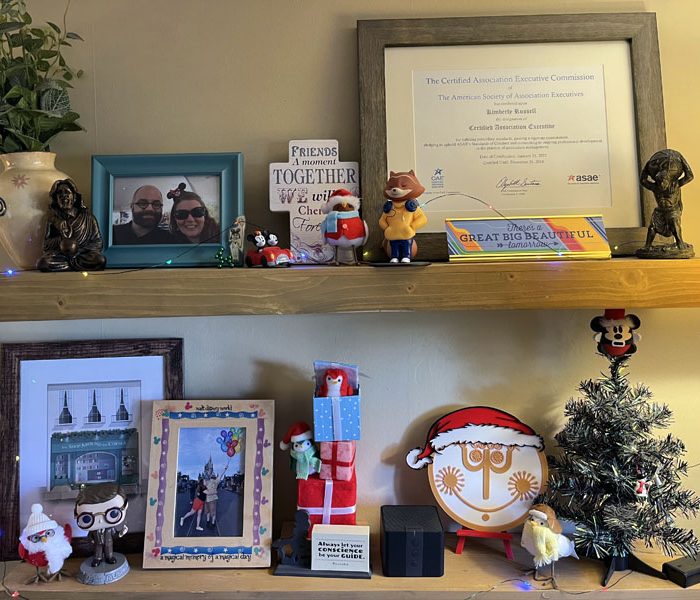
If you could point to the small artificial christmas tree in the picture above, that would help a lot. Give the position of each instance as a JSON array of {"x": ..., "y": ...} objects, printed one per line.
[{"x": 615, "y": 479}]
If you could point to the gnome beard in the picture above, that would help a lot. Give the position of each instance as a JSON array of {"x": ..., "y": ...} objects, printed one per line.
[{"x": 56, "y": 549}]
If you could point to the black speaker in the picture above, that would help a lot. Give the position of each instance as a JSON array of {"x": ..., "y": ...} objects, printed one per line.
[{"x": 412, "y": 542}]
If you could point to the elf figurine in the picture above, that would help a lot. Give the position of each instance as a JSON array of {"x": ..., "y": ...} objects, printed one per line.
[{"x": 303, "y": 452}]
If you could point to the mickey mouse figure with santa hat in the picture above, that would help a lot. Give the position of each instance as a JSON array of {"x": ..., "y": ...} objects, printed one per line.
[
  {"x": 45, "y": 544},
  {"x": 343, "y": 227},
  {"x": 616, "y": 333},
  {"x": 303, "y": 451}
]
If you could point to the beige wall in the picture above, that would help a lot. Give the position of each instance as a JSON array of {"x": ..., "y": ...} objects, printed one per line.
[{"x": 248, "y": 75}]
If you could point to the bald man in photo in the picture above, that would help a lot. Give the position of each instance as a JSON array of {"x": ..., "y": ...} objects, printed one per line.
[{"x": 146, "y": 215}]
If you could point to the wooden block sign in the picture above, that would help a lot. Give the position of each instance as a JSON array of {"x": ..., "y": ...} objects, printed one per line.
[
  {"x": 340, "y": 548},
  {"x": 302, "y": 186}
]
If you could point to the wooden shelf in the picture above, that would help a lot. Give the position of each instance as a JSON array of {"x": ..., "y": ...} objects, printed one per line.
[
  {"x": 621, "y": 282},
  {"x": 479, "y": 568}
]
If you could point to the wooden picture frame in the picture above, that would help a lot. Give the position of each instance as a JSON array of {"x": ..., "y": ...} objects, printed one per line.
[
  {"x": 217, "y": 179},
  {"x": 375, "y": 36},
  {"x": 210, "y": 487},
  {"x": 31, "y": 356}
]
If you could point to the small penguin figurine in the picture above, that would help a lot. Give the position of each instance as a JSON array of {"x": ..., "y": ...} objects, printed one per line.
[{"x": 299, "y": 441}]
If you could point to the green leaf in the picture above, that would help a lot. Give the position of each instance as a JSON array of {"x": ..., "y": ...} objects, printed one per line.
[
  {"x": 53, "y": 26},
  {"x": 80, "y": 73},
  {"x": 47, "y": 53},
  {"x": 7, "y": 27},
  {"x": 32, "y": 144},
  {"x": 74, "y": 36},
  {"x": 64, "y": 43},
  {"x": 27, "y": 18},
  {"x": 17, "y": 91},
  {"x": 67, "y": 76},
  {"x": 55, "y": 101}
]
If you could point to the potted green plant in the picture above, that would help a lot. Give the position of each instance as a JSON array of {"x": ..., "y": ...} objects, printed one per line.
[{"x": 34, "y": 107}]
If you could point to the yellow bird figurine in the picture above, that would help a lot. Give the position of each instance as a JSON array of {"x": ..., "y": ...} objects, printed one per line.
[{"x": 543, "y": 539}]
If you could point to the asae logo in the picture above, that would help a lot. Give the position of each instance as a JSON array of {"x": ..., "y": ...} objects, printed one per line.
[{"x": 583, "y": 178}]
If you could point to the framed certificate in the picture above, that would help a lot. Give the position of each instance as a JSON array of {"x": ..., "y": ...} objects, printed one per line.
[{"x": 511, "y": 116}]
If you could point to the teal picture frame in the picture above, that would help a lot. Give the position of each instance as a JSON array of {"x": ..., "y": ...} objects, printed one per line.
[{"x": 227, "y": 166}]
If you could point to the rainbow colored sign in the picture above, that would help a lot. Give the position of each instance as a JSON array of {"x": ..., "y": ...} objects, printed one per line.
[{"x": 523, "y": 238}]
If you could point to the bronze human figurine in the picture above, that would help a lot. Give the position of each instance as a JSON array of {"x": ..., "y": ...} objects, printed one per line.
[
  {"x": 72, "y": 241},
  {"x": 664, "y": 174}
]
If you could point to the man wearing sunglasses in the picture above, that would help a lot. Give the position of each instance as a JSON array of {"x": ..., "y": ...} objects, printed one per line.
[{"x": 146, "y": 215}]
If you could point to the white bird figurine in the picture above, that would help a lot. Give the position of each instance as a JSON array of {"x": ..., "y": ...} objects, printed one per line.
[{"x": 543, "y": 539}]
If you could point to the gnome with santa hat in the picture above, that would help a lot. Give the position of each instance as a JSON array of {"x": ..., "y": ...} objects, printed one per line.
[
  {"x": 303, "y": 451},
  {"x": 343, "y": 227},
  {"x": 45, "y": 544}
]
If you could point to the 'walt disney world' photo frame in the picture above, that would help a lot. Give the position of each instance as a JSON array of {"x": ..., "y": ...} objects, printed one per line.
[{"x": 210, "y": 484}]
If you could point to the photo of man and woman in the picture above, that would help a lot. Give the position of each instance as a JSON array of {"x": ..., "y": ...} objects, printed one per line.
[
  {"x": 175, "y": 209},
  {"x": 210, "y": 482}
]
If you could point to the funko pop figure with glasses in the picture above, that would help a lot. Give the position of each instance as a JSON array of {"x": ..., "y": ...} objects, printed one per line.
[{"x": 101, "y": 511}]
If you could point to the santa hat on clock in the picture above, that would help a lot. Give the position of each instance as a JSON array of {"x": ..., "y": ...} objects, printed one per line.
[
  {"x": 338, "y": 196},
  {"x": 473, "y": 425},
  {"x": 298, "y": 432}
]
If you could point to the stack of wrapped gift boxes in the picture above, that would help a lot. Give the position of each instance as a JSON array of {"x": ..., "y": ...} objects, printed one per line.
[{"x": 330, "y": 496}]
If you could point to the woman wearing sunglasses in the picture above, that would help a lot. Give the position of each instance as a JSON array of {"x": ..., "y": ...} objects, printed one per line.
[{"x": 189, "y": 218}]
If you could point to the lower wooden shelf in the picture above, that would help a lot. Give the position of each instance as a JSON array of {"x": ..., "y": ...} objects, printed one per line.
[{"x": 482, "y": 567}]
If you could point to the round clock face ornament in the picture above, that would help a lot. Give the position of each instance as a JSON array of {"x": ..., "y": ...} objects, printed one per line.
[{"x": 485, "y": 467}]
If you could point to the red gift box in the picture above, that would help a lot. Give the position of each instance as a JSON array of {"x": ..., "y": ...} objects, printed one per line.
[
  {"x": 337, "y": 460},
  {"x": 328, "y": 501}
]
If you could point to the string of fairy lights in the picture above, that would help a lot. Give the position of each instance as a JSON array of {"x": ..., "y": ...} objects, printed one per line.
[{"x": 223, "y": 259}]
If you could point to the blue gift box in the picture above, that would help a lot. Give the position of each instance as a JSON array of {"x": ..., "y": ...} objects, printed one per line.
[{"x": 337, "y": 419}]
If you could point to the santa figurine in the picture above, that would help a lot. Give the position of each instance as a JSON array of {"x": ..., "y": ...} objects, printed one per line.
[
  {"x": 343, "y": 227},
  {"x": 334, "y": 384},
  {"x": 303, "y": 451},
  {"x": 543, "y": 539},
  {"x": 45, "y": 544}
]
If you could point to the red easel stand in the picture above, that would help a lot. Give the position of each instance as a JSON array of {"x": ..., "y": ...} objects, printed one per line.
[{"x": 499, "y": 535}]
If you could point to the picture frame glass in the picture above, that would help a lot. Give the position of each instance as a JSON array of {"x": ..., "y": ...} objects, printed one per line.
[
  {"x": 85, "y": 421},
  {"x": 498, "y": 129},
  {"x": 205, "y": 457},
  {"x": 129, "y": 192}
]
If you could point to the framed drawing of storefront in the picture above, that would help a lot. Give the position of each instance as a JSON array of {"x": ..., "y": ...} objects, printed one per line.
[
  {"x": 589, "y": 95},
  {"x": 76, "y": 413}
]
